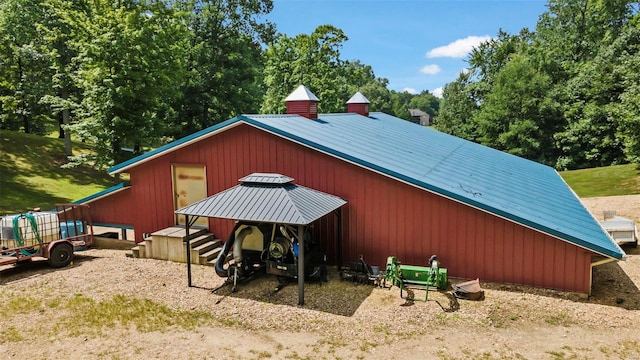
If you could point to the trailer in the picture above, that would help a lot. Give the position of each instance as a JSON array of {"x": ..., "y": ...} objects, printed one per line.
[
  {"x": 52, "y": 235},
  {"x": 622, "y": 230}
]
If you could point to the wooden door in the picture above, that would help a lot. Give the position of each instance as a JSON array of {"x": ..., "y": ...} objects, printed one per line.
[{"x": 189, "y": 186}]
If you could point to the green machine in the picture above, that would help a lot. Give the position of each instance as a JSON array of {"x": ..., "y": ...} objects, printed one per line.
[{"x": 411, "y": 276}]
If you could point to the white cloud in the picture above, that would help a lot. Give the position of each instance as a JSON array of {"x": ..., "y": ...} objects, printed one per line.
[
  {"x": 410, "y": 90},
  {"x": 459, "y": 48},
  {"x": 437, "y": 92},
  {"x": 431, "y": 69},
  {"x": 465, "y": 71}
]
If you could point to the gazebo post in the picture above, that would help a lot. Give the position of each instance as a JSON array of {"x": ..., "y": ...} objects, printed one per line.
[
  {"x": 188, "y": 245},
  {"x": 300, "y": 265},
  {"x": 339, "y": 239}
]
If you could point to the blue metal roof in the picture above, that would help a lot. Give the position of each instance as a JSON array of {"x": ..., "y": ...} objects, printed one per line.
[
  {"x": 266, "y": 198},
  {"x": 508, "y": 186}
]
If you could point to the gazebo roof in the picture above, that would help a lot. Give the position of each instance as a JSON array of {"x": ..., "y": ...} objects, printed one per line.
[{"x": 265, "y": 197}]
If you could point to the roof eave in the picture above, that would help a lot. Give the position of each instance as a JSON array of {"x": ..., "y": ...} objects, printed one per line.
[{"x": 104, "y": 193}]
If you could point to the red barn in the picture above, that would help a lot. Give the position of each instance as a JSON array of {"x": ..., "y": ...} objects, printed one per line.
[{"x": 411, "y": 190}]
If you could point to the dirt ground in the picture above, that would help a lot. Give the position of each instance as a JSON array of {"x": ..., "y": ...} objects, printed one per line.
[{"x": 67, "y": 313}]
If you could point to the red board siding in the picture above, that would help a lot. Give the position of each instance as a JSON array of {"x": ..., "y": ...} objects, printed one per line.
[
  {"x": 383, "y": 216},
  {"x": 113, "y": 209}
]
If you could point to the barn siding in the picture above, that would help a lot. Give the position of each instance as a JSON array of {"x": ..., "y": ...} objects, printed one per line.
[
  {"x": 113, "y": 209},
  {"x": 383, "y": 216}
]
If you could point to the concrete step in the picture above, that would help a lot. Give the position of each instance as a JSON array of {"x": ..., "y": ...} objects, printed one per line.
[
  {"x": 210, "y": 255},
  {"x": 168, "y": 243},
  {"x": 142, "y": 246},
  {"x": 212, "y": 262},
  {"x": 178, "y": 232},
  {"x": 204, "y": 247},
  {"x": 148, "y": 248},
  {"x": 197, "y": 241},
  {"x": 135, "y": 252}
]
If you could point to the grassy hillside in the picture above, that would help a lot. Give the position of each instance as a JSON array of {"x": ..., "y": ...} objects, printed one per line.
[
  {"x": 30, "y": 174},
  {"x": 605, "y": 181}
]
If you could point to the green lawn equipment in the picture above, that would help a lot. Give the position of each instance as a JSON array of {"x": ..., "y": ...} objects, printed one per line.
[{"x": 411, "y": 276}]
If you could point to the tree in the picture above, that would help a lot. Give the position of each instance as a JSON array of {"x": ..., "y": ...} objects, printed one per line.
[
  {"x": 426, "y": 102},
  {"x": 400, "y": 104},
  {"x": 458, "y": 108},
  {"x": 59, "y": 38},
  {"x": 516, "y": 116},
  {"x": 604, "y": 100},
  {"x": 313, "y": 60},
  {"x": 559, "y": 95},
  {"x": 130, "y": 70},
  {"x": 24, "y": 67},
  {"x": 572, "y": 29},
  {"x": 223, "y": 62},
  {"x": 378, "y": 94},
  {"x": 360, "y": 77}
]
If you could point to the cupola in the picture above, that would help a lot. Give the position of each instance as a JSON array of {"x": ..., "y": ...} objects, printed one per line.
[
  {"x": 302, "y": 102},
  {"x": 358, "y": 104}
]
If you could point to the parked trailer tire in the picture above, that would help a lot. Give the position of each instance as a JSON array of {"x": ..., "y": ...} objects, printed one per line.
[{"x": 61, "y": 255}]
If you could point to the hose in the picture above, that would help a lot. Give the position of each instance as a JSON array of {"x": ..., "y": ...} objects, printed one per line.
[
  {"x": 16, "y": 233},
  {"x": 237, "y": 246},
  {"x": 222, "y": 256}
]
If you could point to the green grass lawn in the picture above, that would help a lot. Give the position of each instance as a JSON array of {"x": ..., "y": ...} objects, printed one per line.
[
  {"x": 605, "y": 181},
  {"x": 31, "y": 176}
]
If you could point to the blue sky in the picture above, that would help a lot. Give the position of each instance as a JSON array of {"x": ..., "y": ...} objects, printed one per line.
[{"x": 417, "y": 45}]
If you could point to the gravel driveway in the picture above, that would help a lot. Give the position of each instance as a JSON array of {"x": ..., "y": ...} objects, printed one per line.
[{"x": 109, "y": 306}]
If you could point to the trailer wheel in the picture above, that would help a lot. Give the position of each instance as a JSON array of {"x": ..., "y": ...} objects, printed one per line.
[{"x": 60, "y": 255}]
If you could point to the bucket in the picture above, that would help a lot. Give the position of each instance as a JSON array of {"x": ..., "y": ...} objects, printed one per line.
[{"x": 375, "y": 270}]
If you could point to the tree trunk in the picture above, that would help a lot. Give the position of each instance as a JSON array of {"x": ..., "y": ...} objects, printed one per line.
[
  {"x": 22, "y": 108},
  {"x": 60, "y": 127},
  {"x": 65, "y": 120}
]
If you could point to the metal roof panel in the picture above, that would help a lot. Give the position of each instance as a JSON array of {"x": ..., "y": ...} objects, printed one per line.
[
  {"x": 283, "y": 203},
  {"x": 511, "y": 187}
]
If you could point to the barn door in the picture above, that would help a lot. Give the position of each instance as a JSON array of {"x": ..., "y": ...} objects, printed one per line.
[{"x": 189, "y": 186}]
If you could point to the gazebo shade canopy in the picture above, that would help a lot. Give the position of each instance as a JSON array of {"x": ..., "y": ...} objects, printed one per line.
[{"x": 265, "y": 197}]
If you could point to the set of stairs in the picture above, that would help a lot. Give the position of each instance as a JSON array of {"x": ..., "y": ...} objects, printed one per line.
[{"x": 169, "y": 244}]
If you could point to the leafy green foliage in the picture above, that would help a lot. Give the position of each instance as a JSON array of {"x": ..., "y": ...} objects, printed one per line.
[
  {"x": 128, "y": 74},
  {"x": 514, "y": 116},
  {"x": 130, "y": 67},
  {"x": 24, "y": 67},
  {"x": 458, "y": 109},
  {"x": 565, "y": 95},
  {"x": 223, "y": 62},
  {"x": 314, "y": 60}
]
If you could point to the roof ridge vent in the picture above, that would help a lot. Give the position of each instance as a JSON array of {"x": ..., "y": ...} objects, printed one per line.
[
  {"x": 302, "y": 102},
  {"x": 358, "y": 104},
  {"x": 266, "y": 178}
]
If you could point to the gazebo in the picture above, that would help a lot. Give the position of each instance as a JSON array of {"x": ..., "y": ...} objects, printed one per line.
[{"x": 268, "y": 198}]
